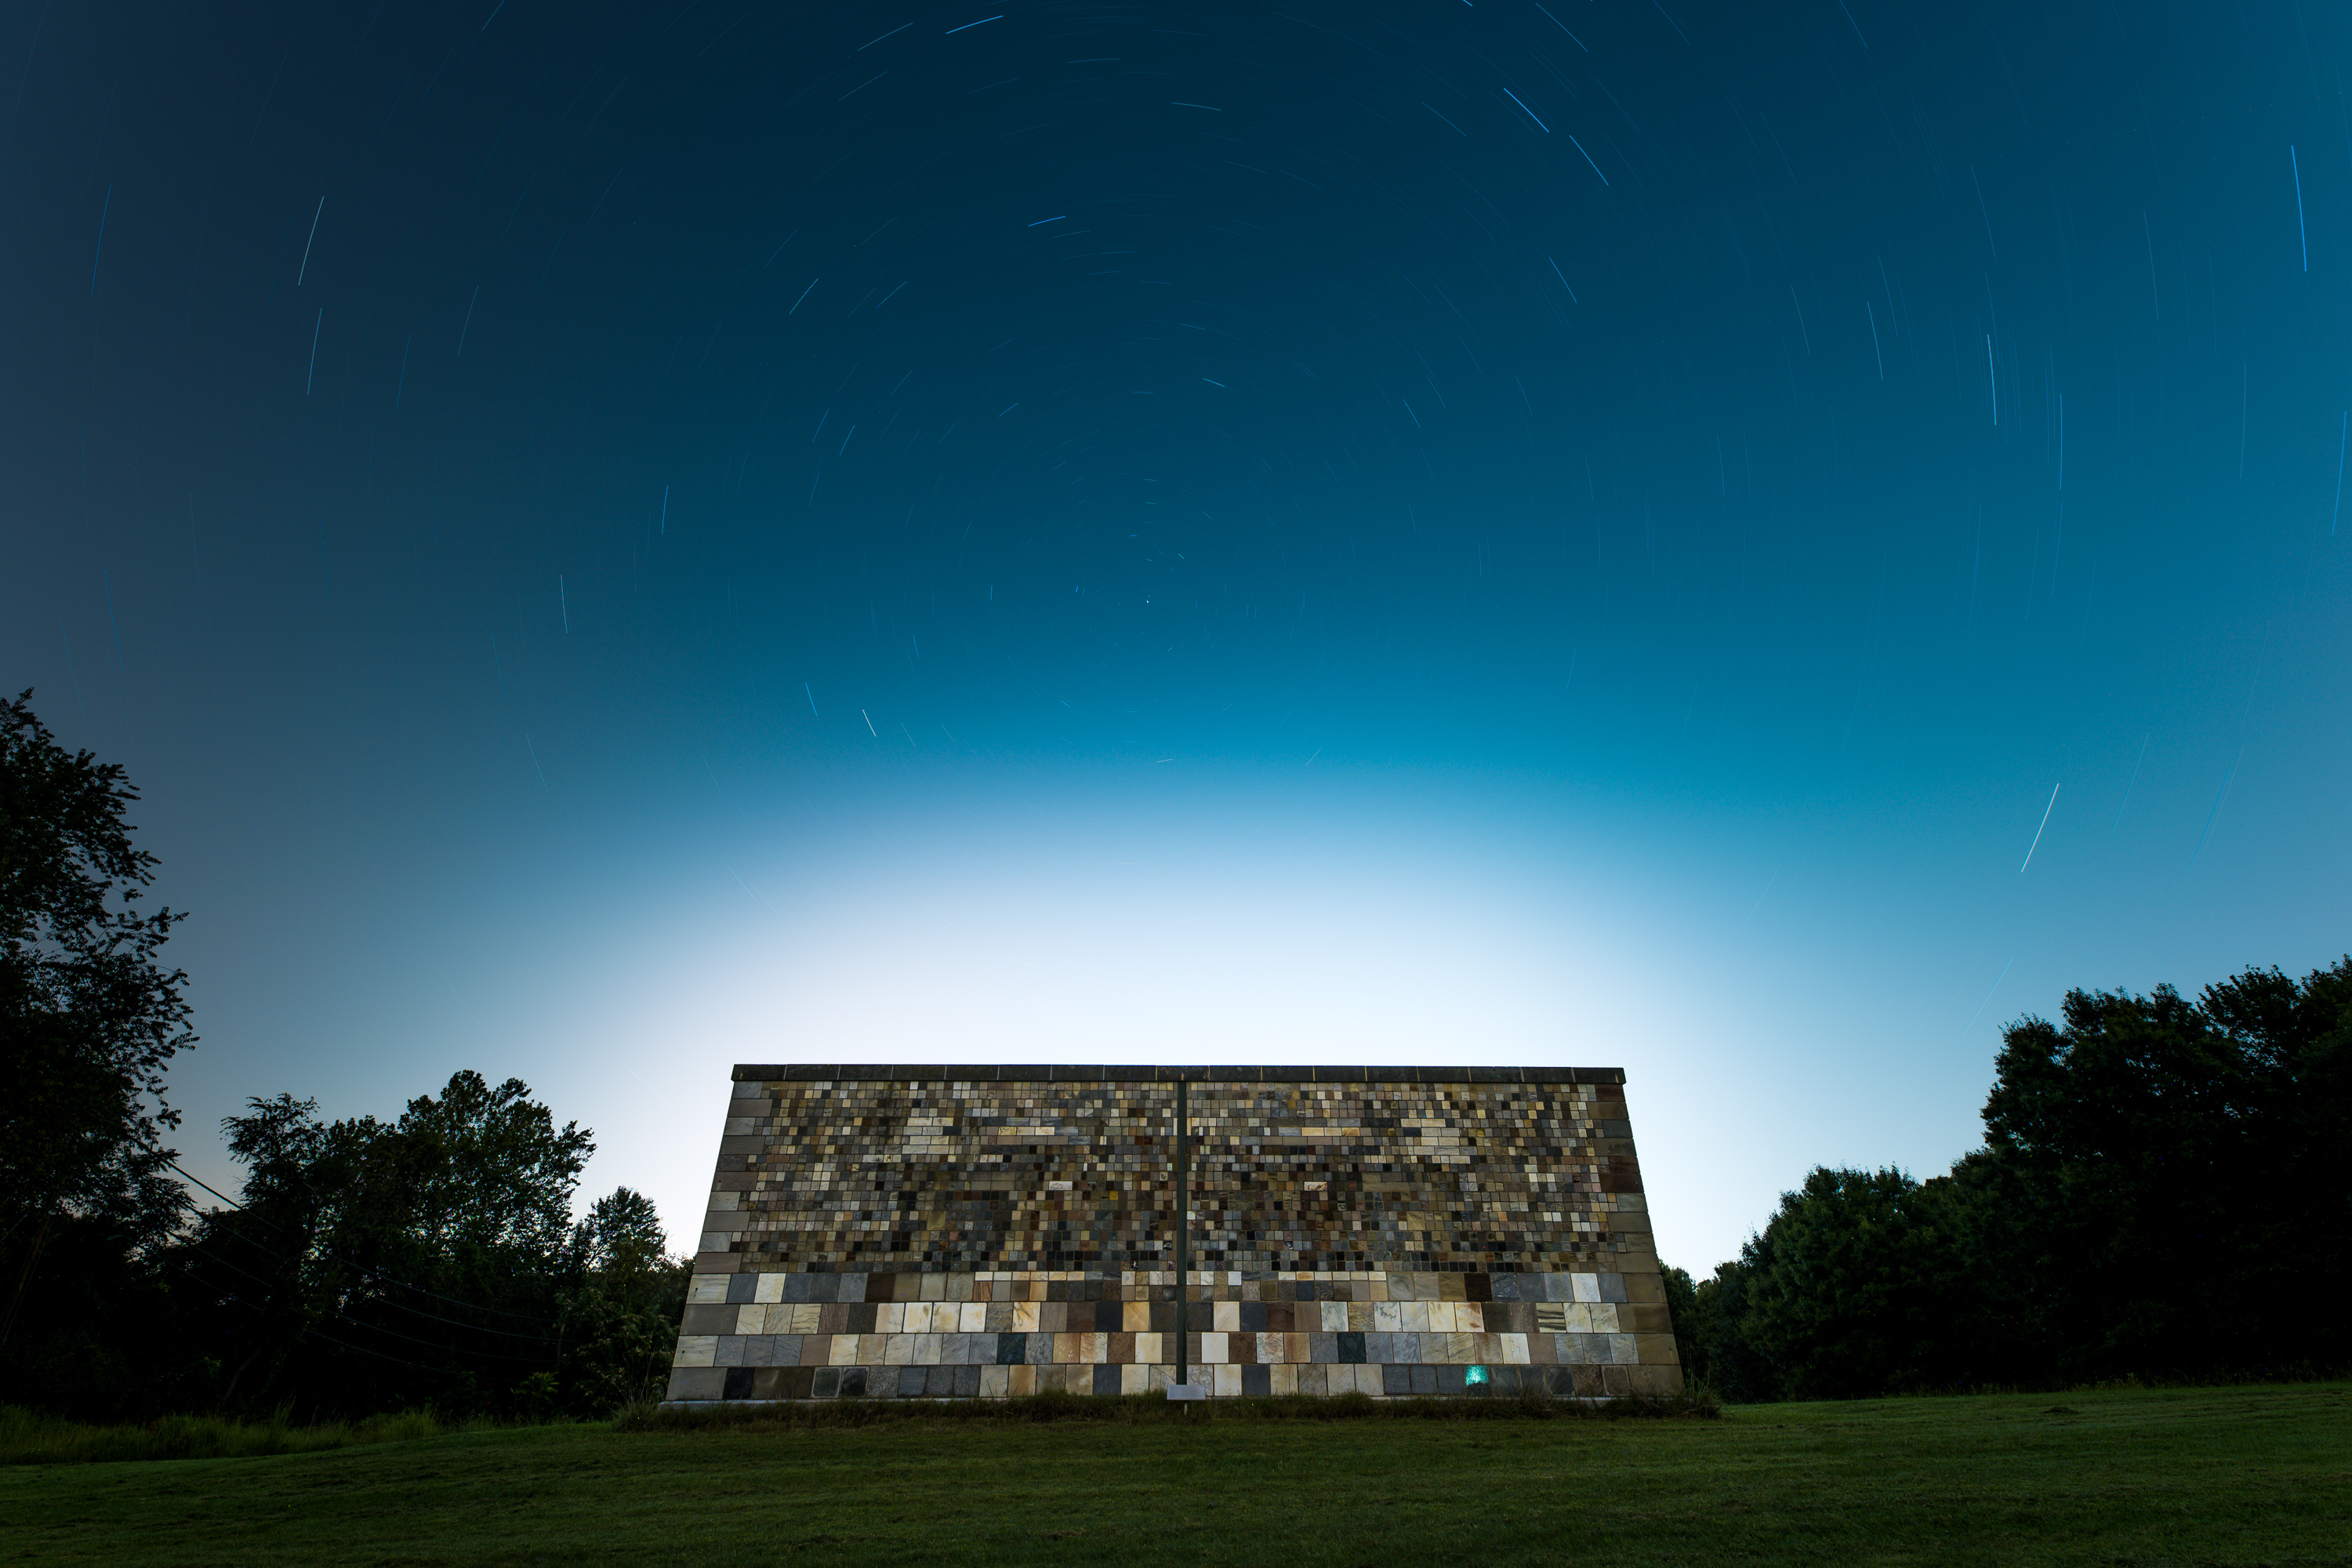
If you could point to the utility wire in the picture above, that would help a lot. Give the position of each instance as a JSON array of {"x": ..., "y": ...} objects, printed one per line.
[{"x": 376, "y": 1275}]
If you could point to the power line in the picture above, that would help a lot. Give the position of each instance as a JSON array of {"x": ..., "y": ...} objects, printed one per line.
[{"x": 374, "y": 1274}]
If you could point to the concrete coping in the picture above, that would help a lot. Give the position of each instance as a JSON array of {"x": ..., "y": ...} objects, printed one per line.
[{"x": 872, "y": 1072}]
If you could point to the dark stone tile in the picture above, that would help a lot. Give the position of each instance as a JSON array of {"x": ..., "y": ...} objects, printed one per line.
[
  {"x": 741, "y": 1287},
  {"x": 1351, "y": 1347},
  {"x": 1257, "y": 1381},
  {"x": 1396, "y": 1380},
  {"x": 1254, "y": 1316},
  {"x": 879, "y": 1288},
  {"x": 855, "y": 1383},
  {"x": 1477, "y": 1287},
  {"x": 1322, "y": 1349},
  {"x": 1613, "y": 1286},
  {"x": 1423, "y": 1380},
  {"x": 1011, "y": 1349},
  {"x": 1105, "y": 1379},
  {"x": 1280, "y": 1317},
  {"x": 739, "y": 1383},
  {"x": 796, "y": 1288},
  {"x": 967, "y": 1381},
  {"x": 798, "y": 1382},
  {"x": 1450, "y": 1379},
  {"x": 825, "y": 1382},
  {"x": 768, "y": 1382},
  {"x": 708, "y": 1318},
  {"x": 860, "y": 1319}
]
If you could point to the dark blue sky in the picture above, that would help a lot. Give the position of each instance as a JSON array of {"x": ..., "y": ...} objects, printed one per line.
[{"x": 619, "y": 540}]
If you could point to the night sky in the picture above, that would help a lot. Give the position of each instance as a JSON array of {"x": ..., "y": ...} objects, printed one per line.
[{"x": 1755, "y": 545}]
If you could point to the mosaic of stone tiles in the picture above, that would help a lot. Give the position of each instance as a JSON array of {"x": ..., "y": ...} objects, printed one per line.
[{"x": 895, "y": 1232}]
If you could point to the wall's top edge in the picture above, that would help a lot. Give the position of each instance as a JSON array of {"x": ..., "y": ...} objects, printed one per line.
[{"x": 869, "y": 1072}]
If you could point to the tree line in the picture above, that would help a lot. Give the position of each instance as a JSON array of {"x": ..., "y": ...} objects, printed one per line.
[
  {"x": 2162, "y": 1193},
  {"x": 362, "y": 1265}
]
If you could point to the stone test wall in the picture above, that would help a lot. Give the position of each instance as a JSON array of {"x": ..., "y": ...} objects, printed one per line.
[{"x": 899, "y": 1231}]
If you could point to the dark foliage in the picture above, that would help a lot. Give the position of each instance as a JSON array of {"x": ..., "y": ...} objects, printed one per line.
[
  {"x": 2144, "y": 1158},
  {"x": 89, "y": 1020},
  {"x": 428, "y": 1262}
]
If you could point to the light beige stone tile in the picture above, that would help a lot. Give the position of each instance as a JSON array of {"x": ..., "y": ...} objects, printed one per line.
[
  {"x": 1514, "y": 1349},
  {"x": 697, "y": 1350},
  {"x": 769, "y": 1290},
  {"x": 1283, "y": 1378},
  {"x": 708, "y": 1290},
  {"x": 971, "y": 1318},
  {"x": 1135, "y": 1317},
  {"x": 1226, "y": 1317},
  {"x": 1604, "y": 1317},
  {"x": 1021, "y": 1380},
  {"x": 1149, "y": 1347},
  {"x": 1334, "y": 1317},
  {"x": 890, "y": 1318},
  {"x": 1586, "y": 1286},
  {"x": 1024, "y": 1318},
  {"x": 750, "y": 1319},
  {"x": 1225, "y": 1381},
  {"x": 1213, "y": 1348},
  {"x": 1470, "y": 1317},
  {"x": 995, "y": 1382}
]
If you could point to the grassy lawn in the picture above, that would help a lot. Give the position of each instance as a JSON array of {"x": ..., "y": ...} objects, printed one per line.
[{"x": 2239, "y": 1475}]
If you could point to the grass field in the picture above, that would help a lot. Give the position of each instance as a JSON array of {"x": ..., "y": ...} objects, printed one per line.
[{"x": 2236, "y": 1476}]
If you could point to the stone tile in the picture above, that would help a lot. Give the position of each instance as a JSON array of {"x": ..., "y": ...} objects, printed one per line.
[
  {"x": 698, "y": 1382},
  {"x": 701, "y": 1318}
]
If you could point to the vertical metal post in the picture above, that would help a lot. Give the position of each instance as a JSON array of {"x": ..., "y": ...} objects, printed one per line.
[{"x": 1183, "y": 1225}]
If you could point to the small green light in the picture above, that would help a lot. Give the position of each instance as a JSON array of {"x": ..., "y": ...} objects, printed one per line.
[{"x": 1476, "y": 1374}]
